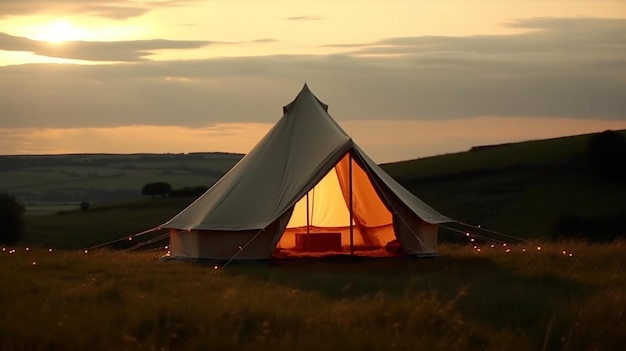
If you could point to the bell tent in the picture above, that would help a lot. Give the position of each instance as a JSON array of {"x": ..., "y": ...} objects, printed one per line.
[{"x": 305, "y": 187}]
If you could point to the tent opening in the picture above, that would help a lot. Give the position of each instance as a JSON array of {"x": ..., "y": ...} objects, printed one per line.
[{"x": 321, "y": 220}]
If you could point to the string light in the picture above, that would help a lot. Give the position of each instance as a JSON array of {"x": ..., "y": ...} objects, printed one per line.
[
  {"x": 538, "y": 248},
  {"x": 34, "y": 263},
  {"x": 86, "y": 251},
  {"x": 50, "y": 250},
  {"x": 215, "y": 267},
  {"x": 27, "y": 249}
]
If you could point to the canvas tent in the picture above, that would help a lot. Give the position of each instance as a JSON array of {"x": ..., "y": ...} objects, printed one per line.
[{"x": 305, "y": 186}]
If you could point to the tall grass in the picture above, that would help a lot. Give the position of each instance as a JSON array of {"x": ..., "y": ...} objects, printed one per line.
[{"x": 492, "y": 300}]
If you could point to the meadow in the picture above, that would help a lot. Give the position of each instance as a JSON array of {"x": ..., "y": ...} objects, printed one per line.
[{"x": 465, "y": 300}]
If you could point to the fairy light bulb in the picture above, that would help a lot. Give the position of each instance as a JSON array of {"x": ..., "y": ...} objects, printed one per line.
[
  {"x": 34, "y": 263},
  {"x": 538, "y": 248},
  {"x": 215, "y": 267},
  {"x": 86, "y": 251},
  {"x": 50, "y": 250}
]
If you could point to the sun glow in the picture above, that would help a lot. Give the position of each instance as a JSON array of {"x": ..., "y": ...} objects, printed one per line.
[{"x": 60, "y": 31}]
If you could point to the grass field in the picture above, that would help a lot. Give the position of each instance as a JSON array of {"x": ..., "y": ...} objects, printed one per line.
[{"x": 492, "y": 300}]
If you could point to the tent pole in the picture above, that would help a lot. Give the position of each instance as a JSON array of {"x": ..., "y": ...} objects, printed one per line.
[
  {"x": 351, "y": 206},
  {"x": 307, "y": 213}
]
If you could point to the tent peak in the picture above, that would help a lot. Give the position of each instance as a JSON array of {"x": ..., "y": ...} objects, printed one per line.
[{"x": 304, "y": 92}]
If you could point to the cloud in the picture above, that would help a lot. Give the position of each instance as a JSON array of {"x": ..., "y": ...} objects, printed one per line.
[
  {"x": 112, "y": 9},
  {"x": 555, "y": 70},
  {"x": 304, "y": 18},
  {"x": 123, "y": 51}
]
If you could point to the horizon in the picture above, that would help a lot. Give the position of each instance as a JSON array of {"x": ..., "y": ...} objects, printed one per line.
[
  {"x": 243, "y": 154},
  {"x": 405, "y": 79}
]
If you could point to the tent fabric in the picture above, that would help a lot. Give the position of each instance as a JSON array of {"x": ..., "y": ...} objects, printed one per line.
[{"x": 305, "y": 153}]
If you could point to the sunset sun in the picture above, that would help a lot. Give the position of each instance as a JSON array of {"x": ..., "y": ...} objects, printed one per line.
[{"x": 60, "y": 31}]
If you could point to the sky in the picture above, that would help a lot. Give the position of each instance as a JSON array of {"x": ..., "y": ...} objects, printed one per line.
[{"x": 405, "y": 78}]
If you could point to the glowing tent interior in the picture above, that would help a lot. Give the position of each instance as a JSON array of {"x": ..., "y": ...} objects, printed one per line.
[{"x": 305, "y": 187}]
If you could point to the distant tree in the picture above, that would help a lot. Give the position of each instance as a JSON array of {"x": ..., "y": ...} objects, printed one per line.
[
  {"x": 607, "y": 156},
  {"x": 11, "y": 212},
  {"x": 84, "y": 206},
  {"x": 157, "y": 188}
]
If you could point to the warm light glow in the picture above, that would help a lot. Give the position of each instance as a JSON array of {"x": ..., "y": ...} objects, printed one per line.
[{"x": 60, "y": 31}]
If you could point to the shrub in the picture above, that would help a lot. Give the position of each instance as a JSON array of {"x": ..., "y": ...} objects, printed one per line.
[
  {"x": 11, "y": 212},
  {"x": 84, "y": 206}
]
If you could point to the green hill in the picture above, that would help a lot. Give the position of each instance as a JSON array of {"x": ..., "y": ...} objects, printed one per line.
[
  {"x": 48, "y": 183},
  {"x": 522, "y": 189}
]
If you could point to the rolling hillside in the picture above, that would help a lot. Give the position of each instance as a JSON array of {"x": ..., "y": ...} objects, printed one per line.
[
  {"x": 51, "y": 182},
  {"x": 522, "y": 189}
]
